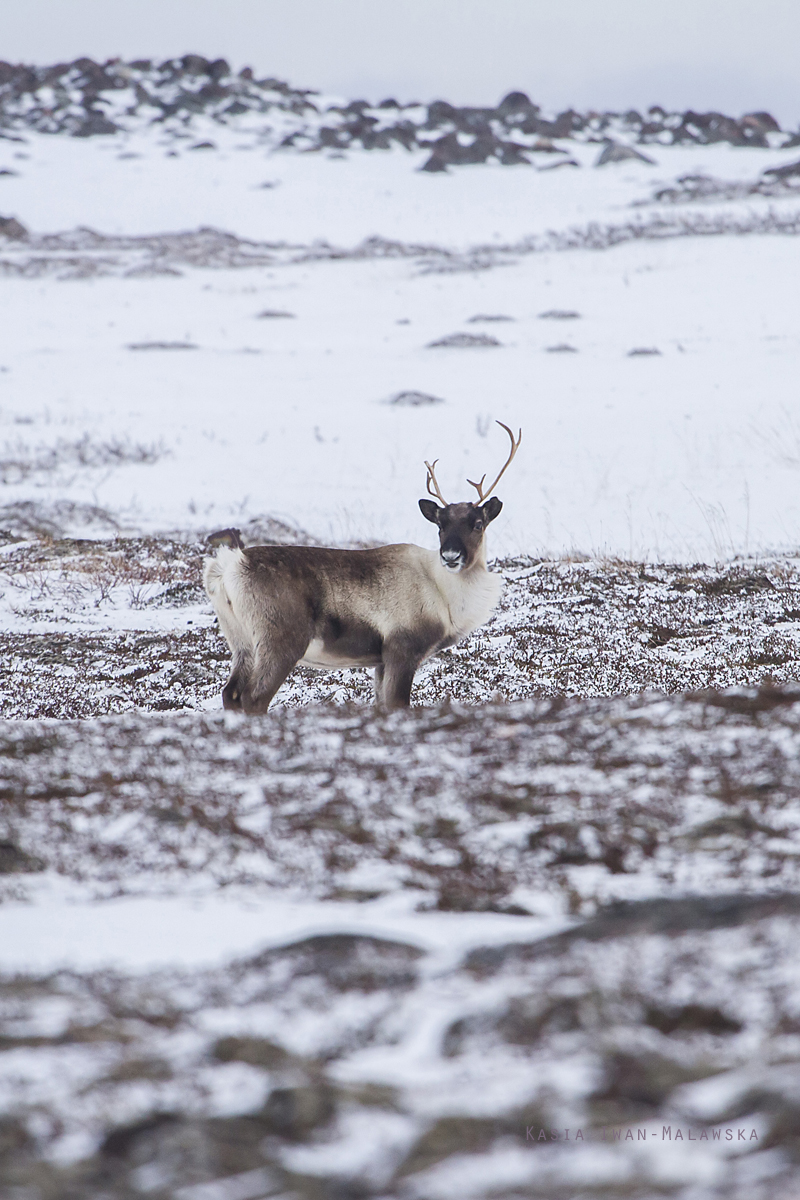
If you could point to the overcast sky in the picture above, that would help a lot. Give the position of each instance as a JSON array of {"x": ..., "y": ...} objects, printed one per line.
[{"x": 732, "y": 55}]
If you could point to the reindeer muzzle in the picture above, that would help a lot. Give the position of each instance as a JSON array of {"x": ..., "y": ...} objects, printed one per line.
[{"x": 453, "y": 559}]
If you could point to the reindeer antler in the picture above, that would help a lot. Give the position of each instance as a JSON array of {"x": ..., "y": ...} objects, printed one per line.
[
  {"x": 435, "y": 491},
  {"x": 515, "y": 445}
]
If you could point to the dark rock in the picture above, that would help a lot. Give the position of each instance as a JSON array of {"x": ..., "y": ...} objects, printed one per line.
[
  {"x": 120, "y": 1142},
  {"x": 233, "y": 1146},
  {"x": 629, "y": 918},
  {"x": 564, "y": 126},
  {"x": 636, "y": 1086},
  {"x": 516, "y": 107},
  {"x": 559, "y": 314},
  {"x": 450, "y": 151},
  {"x": 464, "y": 341},
  {"x": 644, "y": 352},
  {"x": 13, "y": 229},
  {"x": 544, "y": 146},
  {"x": 765, "y": 120},
  {"x": 691, "y": 1018},
  {"x": 785, "y": 172},
  {"x": 162, "y": 346},
  {"x": 195, "y": 64},
  {"x": 568, "y": 122},
  {"x": 565, "y": 162},
  {"x": 184, "y": 1150},
  {"x": 784, "y": 1129},
  {"x": 404, "y": 132},
  {"x": 473, "y": 886},
  {"x": 440, "y": 112},
  {"x": 452, "y": 1135},
  {"x": 130, "y": 1069},
  {"x": 457, "y": 1034},
  {"x": 527, "y": 1018},
  {"x": 331, "y": 138},
  {"x": 94, "y": 75},
  {"x": 257, "y": 1051},
  {"x": 561, "y": 348},
  {"x": 14, "y": 861},
  {"x": 294, "y": 1112},
  {"x": 95, "y": 124},
  {"x": 615, "y": 152},
  {"x": 475, "y": 120},
  {"x": 347, "y": 962},
  {"x": 15, "y": 1141},
  {"x": 480, "y": 318},
  {"x": 711, "y": 127},
  {"x": 434, "y": 165},
  {"x": 375, "y": 139},
  {"x": 274, "y": 314},
  {"x": 414, "y": 399},
  {"x": 509, "y": 154},
  {"x": 457, "y": 1135},
  {"x": 765, "y": 698}
]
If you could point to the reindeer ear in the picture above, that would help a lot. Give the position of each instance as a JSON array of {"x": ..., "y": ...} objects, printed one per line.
[
  {"x": 491, "y": 509},
  {"x": 430, "y": 510}
]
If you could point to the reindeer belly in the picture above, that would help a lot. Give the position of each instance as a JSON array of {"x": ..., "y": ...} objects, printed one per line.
[{"x": 344, "y": 643}]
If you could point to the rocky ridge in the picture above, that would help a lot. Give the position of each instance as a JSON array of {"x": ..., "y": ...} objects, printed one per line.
[{"x": 186, "y": 97}]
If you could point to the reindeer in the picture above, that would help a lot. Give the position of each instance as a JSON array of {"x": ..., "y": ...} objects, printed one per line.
[{"x": 389, "y": 608}]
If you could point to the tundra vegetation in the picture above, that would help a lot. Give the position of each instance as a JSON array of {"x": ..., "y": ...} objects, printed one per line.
[{"x": 616, "y": 859}]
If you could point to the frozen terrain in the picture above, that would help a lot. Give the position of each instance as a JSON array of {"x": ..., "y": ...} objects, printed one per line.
[
  {"x": 236, "y": 315},
  {"x": 536, "y": 938}
]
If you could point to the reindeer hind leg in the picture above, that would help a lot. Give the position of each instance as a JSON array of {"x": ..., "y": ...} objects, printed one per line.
[
  {"x": 275, "y": 657},
  {"x": 232, "y": 692}
]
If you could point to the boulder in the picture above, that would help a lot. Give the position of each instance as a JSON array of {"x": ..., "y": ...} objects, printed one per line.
[
  {"x": 614, "y": 152},
  {"x": 13, "y": 229}
]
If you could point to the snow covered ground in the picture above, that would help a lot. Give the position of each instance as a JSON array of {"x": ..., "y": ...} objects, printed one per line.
[
  {"x": 336, "y": 956},
  {"x": 688, "y": 453}
]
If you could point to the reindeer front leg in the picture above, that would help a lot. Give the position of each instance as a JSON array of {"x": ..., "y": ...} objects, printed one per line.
[
  {"x": 402, "y": 655},
  {"x": 377, "y": 684}
]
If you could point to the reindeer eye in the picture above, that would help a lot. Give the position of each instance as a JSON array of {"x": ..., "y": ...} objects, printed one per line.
[{"x": 478, "y": 526}]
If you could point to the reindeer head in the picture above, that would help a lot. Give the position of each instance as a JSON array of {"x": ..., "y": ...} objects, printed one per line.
[{"x": 462, "y": 526}]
